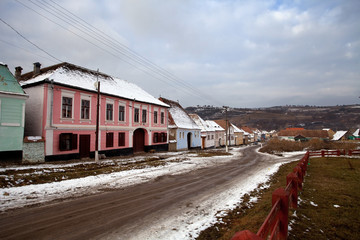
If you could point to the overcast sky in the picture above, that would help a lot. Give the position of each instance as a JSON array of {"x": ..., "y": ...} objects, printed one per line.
[{"x": 236, "y": 53}]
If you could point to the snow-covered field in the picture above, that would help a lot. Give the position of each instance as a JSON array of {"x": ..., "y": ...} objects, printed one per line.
[{"x": 188, "y": 224}]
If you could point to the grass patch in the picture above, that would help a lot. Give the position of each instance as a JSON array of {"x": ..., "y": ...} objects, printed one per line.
[
  {"x": 321, "y": 188},
  {"x": 276, "y": 145},
  {"x": 329, "y": 206}
]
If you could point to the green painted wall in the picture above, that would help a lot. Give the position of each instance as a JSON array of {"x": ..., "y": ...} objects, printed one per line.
[
  {"x": 11, "y": 113},
  {"x": 12, "y": 103}
]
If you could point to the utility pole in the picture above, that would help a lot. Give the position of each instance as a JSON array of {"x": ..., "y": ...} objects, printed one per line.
[
  {"x": 226, "y": 129},
  {"x": 97, "y": 118}
]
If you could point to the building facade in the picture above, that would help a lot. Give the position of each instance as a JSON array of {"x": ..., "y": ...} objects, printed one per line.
[
  {"x": 62, "y": 108},
  {"x": 12, "y": 116},
  {"x": 184, "y": 134}
]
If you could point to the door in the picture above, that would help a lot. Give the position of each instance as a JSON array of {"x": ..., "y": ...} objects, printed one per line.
[
  {"x": 84, "y": 150},
  {"x": 189, "y": 140},
  {"x": 139, "y": 140}
]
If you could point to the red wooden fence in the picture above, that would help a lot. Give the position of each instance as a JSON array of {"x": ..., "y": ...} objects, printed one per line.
[{"x": 275, "y": 225}]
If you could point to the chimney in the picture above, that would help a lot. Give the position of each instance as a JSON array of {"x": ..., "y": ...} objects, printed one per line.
[
  {"x": 18, "y": 72},
  {"x": 37, "y": 68}
]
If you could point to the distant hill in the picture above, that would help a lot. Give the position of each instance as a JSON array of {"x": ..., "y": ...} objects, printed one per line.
[{"x": 310, "y": 117}]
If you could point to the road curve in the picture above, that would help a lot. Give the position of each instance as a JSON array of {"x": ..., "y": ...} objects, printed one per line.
[{"x": 100, "y": 215}]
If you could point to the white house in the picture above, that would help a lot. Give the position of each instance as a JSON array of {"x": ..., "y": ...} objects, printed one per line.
[
  {"x": 207, "y": 132},
  {"x": 183, "y": 131}
]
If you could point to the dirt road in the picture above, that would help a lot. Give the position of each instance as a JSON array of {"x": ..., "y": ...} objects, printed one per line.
[{"x": 129, "y": 212}]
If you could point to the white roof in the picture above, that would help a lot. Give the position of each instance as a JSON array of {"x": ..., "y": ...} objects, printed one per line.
[
  {"x": 236, "y": 129},
  {"x": 338, "y": 135},
  {"x": 181, "y": 118},
  {"x": 86, "y": 80},
  {"x": 356, "y": 133},
  {"x": 205, "y": 127},
  {"x": 214, "y": 125}
]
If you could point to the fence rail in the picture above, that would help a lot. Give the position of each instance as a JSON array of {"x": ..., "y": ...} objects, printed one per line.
[{"x": 276, "y": 223}]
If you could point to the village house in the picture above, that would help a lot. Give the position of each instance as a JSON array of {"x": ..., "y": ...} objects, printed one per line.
[
  {"x": 339, "y": 136},
  {"x": 219, "y": 133},
  {"x": 207, "y": 132},
  {"x": 229, "y": 134},
  {"x": 12, "y": 115},
  {"x": 62, "y": 108},
  {"x": 303, "y": 135},
  {"x": 239, "y": 135},
  {"x": 251, "y": 135},
  {"x": 184, "y": 134}
]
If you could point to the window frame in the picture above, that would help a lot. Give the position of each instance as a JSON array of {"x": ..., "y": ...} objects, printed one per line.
[
  {"x": 109, "y": 112},
  {"x": 122, "y": 116},
  {"x": 84, "y": 108},
  {"x": 109, "y": 139},
  {"x": 67, "y": 141},
  {"x": 144, "y": 116},
  {"x": 162, "y": 117},
  {"x": 136, "y": 115},
  {"x": 121, "y": 139},
  {"x": 155, "y": 116}
]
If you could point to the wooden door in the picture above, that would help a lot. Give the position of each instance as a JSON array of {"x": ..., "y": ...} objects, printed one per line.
[
  {"x": 139, "y": 140},
  {"x": 84, "y": 149}
]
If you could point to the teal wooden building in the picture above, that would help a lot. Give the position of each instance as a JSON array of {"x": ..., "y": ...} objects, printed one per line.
[{"x": 12, "y": 116}]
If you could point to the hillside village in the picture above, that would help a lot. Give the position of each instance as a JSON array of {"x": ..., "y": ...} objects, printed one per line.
[{"x": 66, "y": 112}]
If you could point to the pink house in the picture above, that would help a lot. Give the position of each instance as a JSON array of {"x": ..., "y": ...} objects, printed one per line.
[{"x": 62, "y": 108}]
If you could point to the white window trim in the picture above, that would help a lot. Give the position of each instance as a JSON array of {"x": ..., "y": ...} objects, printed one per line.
[
  {"x": 110, "y": 101},
  {"x": 156, "y": 110},
  {"x": 69, "y": 94},
  {"x": 145, "y": 107},
  {"x": 122, "y": 103},
  {"x": 85, "y": 97}
]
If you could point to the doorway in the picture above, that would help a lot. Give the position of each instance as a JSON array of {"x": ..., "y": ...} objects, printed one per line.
[
  {"x": 139, "y": 140},
  {"x": 189, "y": 140},
  {"x": 84, "y": 146}
]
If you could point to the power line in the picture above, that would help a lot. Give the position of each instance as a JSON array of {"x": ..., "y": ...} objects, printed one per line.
[
  {"x": 29, "y": 40},
  {"x": 114, "y": 46}
]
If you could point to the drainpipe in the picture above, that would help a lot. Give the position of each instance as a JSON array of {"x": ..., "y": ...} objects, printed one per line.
[{"x": 51, "y": 102}]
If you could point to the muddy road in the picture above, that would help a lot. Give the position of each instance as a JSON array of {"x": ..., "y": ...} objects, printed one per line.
[{"x": 139, "y": 211}]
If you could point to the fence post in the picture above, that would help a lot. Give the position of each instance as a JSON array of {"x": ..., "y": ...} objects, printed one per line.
[
  {"x": 246, "y": 235},
  {"x": 291, "y": 177},
  {"x": 322, "y": 153},
  {"x": 280, "y": 194},
  {"x": 350, "y": 153}
]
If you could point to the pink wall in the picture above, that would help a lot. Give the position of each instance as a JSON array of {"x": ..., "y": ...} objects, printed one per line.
[{"x": 110, "y": 126}]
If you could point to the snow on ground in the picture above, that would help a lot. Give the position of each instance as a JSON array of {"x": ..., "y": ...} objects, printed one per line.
[
  {"x": 16, "y": 197},
  {"x": 189, "y": 223}
]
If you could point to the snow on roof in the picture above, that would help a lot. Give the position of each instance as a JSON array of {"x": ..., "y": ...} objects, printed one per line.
[
  {"x": 78, "y": 77},
  {"x": 178, "y": 116},
  {"x": 205, "y": 127},
  {"x": 356, "y": 133},
  {"x": 236, "y": 129},
  {"x": 216, "y": 126},
  {"x": 338, "y": 135}
]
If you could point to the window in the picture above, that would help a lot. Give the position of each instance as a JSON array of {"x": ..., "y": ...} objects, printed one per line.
[
  {"x": 208, "y": 137},
  {"x": 85, "y": 109},
  {"x": 121, "y": 113},
  {"x": 156, "y": 137},
  {"x": 109, "y": 139},
  {"x": 136, "y": 115},
  {"x": 163, "y": 137},
  {"x": 144, "y": 116},
  {"x": 67, "y": 107},
  {"x": 67, "y": 141},
  {"x": 121, "y": 139},
  {"x": 162, "y": 117},
  {"x": 155, "y": 116},
  {"x": 109, "y": 112}
]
